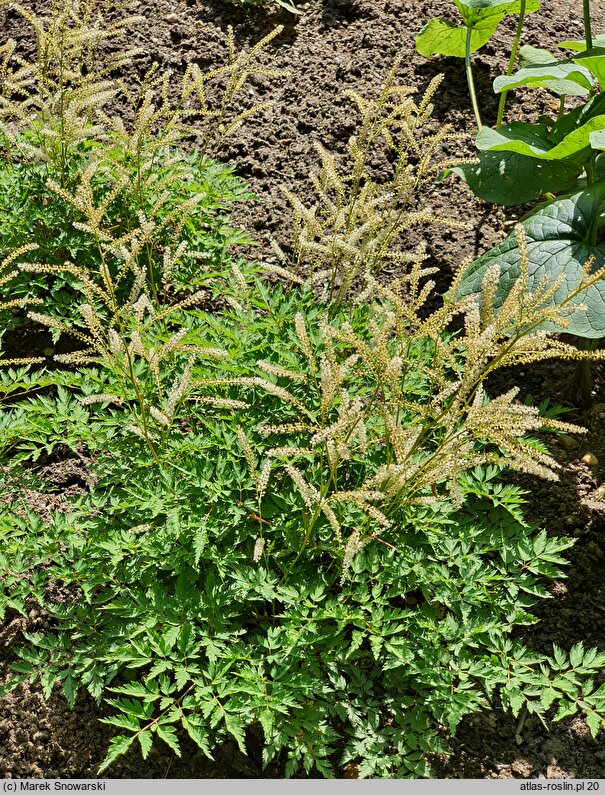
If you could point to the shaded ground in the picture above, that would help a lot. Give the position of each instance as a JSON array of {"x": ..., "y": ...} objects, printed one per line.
[{"x": 335, "y": 45}]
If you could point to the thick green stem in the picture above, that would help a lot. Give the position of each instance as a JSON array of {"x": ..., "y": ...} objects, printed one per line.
[
  {"x": 561, "y": 111},
  {"x": 511, "y": 60},
  {"x": 469, "y": 78},
  {"x": 587, "y": 27},
  {"x": 589, "y": 170},
  {"x": 583, "y": 374}
]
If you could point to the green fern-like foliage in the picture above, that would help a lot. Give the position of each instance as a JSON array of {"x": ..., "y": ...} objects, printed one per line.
[{"x": 292, "y": 517}]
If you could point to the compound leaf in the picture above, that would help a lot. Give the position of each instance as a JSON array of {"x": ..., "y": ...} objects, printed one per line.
[
  {"x": 594, "y": 722},
  {"x": 168, "y": 734},
  {"x": 198, "y": 735},
  {"x": 576, "y": 655},
  {"x": 70, "y": 687},
  {"x": 117, "y": 747},
  {"x": 235, "y": 727}
]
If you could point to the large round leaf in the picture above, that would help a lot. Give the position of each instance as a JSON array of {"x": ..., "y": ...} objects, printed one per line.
[
  {"x": 595, "y": 61},
  {"x": 559, "y": 237},
  {"x": 560, "y": 77},
  {"x": 534, "y": 140},
  {"x": 530, "y": 56},
  {"x": 474, "y": 10},
  {"x": 441, "y": 37},
  {"x": 577, "y": 118},
  {"x": 580, "y": 44},
  {"x": 508, "y": 178},
  {"x": 597, "y": 139}
]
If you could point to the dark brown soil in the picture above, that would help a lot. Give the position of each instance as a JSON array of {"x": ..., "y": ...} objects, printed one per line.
[{"x": 333, "y": 46}]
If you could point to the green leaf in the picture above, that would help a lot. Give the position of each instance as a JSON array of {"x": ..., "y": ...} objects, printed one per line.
[
  {"x": 70, "y": 688},
  {"x": 521, "y": 137},
  {"x": 516, "y": 700},
  {"x": 168, "y": 734},
  {"x": 532, "y": 56},
  {"x": 597, "y": 139},
  {"x": 266, "y": 718},
  {"x": 140, "y": 709},
  {"x": 560, "y": 77},
  {"x": 594, "y": 659},
  {"x": 171, "y": 635},
  {"x": 357, "y": 639},
  {"x": 117, "y": 747},
  {"x": 548, "y": 696},
  {"x": 534, "y": 140},
  {"x": 576, "y": 655},
  {"x": 158, "y": 668},
  {"x": 579, "y": 45},
  {"x": 594, "y": 721},
  {"x": 48, "y": 680},
  {"x": 198, "y": 735},
  {"x": 376, "y": 642},
  {"x": 181, "y": 677},
  {"x": 440, "y": 37},
  {"x": 122, "y": 721},
  {"x": 200, "y": 540},
  {"x": 288, "y": 6},
  {"x": 508, "y": 178},
  {"x": 560, "y": 656},
  {"x": 136, "y": 689},
  {"x": 23, "y": 667},
  {"x": 95, "y": 684},
  {"x": 540, "y": 543},
  {"x": 12, "y": 683},
  {"x": 474, "y": 11},
  {"x": 506, "y": 6},
  {"x": 145, "y": 741},
  {"x": 573, "y": 120},
  {"x": 558, "y": 237},
  {"x": 235, "y": 727},
  {"x": 594, "y": 60},
  {"x": 565, "y": 710}
]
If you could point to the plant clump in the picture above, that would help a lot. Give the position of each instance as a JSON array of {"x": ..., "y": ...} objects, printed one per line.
[
  {"x": 359, "y": 224},
  {"x": 296, "y": 520}
]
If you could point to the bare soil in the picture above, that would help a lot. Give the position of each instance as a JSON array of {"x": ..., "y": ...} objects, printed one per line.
[{"x": 333, "y": 46}]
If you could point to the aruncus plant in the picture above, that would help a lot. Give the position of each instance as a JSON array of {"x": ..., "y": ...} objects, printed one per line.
[
  {"x": 360, "y": 221},
  {"x": 294, "y": 522},
  {"x": 104, "y": 197}
]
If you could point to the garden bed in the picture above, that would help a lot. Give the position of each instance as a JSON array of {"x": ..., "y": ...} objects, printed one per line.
[{"x": 332, "y": 46}]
